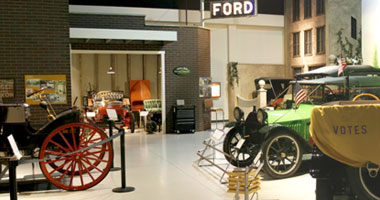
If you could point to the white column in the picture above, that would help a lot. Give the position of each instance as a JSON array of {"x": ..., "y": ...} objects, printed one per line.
[{"x": 262, "y": 95}]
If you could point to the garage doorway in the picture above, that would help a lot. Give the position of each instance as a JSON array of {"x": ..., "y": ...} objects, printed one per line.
[{"x": 89, "y": 73}]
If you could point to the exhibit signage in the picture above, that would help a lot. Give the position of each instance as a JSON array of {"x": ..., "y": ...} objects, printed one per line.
[
  {"x": 181, "y": 71},
  {"x": 55, "y": 85},
  {"x": 7, "y": 88},
  {"x": 220, "y": 9}
]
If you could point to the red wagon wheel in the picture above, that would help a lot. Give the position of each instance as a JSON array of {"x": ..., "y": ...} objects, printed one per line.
[{"x": 80, "y": 170}]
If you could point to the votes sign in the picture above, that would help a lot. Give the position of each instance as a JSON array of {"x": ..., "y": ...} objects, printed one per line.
[{"x": 221, "y": 9}]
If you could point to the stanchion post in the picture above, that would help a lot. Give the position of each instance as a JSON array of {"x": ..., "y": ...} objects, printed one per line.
[
  {"x": 12, "y": 179},
  {"x": 123, "y": 187},
  {"x": 110, "y": 129}
]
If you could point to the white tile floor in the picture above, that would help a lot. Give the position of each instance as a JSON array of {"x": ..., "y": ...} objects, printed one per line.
[{"x": 161, "y": 167}]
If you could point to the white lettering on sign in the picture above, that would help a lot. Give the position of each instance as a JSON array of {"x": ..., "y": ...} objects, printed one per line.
[
  {"x": 238, "y": 8},
  {"x": 216, "y": 8},
  {"x": 235, "y": 8},
  {"x": 248, "y": 7},
  {"x": 227, "y": 9}
]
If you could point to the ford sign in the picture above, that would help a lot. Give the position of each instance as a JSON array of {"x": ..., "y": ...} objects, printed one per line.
[{"x": 240, "y": 8}]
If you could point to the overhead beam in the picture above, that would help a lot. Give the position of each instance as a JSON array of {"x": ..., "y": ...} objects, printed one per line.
[{"x": 122, "y": 34}]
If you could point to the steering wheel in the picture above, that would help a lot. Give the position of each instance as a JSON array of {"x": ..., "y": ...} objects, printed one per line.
[{"x": 365, "y": 94}]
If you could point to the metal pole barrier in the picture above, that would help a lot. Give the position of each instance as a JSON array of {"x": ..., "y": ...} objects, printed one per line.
[
  {"x": 110, "y": 126},
  {"x": 12, "y": 179},
  {"x": 123, "y": 187}
]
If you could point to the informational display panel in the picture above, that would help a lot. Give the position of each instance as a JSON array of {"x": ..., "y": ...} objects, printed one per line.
[
  {"x": 204, "y": 87},
  {"x": 7, "y": 88},
  {"x": 55, "y": 88},
  {"x": 215, "y": 90},
  {"x": 239, "y": 8}
]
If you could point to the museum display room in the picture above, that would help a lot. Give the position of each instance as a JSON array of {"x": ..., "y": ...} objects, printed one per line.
[{"x": 242, "y": 99}]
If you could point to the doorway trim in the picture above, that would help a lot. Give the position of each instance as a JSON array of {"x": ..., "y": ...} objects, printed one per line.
[{"x": 162, "y": 58}]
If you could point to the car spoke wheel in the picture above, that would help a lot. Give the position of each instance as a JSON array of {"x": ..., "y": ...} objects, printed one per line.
[
  {"x": 363, "y": 185},
  {"x": 81, "y": 170},
  {"x": 282, "y": 155},
  {"x": 243, "y": 156}
]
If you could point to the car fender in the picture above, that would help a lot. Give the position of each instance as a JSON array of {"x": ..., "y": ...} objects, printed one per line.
[{"x": 231, "y": 124}]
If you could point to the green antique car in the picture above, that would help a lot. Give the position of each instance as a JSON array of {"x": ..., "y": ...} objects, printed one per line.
[{"x": 283, "y": 135}]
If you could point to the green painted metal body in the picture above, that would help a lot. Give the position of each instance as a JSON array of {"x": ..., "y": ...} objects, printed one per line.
[{"x": 294, "y": 119}]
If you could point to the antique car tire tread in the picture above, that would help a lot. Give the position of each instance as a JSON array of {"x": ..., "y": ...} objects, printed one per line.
[
  {"x": 282, "y": 134},
  {"x": 355, "y": 180}
]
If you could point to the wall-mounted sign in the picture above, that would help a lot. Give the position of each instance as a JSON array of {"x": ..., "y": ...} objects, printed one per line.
[
  {"x": 240, "y": 8},
  {"x": 55, "y": 88},
  {"x": 181, "y": 71},
  {"x": 7, "y": 88},
  {"x": 215, "y": 90},
  {"x": 204, "y": 87}
]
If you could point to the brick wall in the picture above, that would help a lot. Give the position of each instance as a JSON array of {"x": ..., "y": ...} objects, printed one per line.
[
  {"x": 191, "y": 50},
  {"x": 34, "y": 39},
  {"x": 107, "y": 21}
]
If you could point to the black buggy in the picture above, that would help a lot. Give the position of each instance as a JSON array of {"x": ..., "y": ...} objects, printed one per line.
[{"x": 65, "y": 145}]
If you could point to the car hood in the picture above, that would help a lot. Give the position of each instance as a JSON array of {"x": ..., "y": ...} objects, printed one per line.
[{"x": 278, "y": 116}]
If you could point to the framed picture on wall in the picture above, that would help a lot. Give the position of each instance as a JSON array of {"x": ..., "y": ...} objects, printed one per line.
[
  {"x": 204, "y": 87},
  {"x": 55, "y": 88},
  {"x": 7, "y": 88}
]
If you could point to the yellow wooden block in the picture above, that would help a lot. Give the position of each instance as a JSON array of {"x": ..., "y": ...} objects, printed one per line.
[
  {"x": 242, "y": 192},
  {"x": 242, "y": 187}
]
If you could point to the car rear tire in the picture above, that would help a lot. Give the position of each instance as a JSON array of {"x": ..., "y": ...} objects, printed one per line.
[
  {"x": 364, "y": 187},
  {"x": 282, "y": 154}
]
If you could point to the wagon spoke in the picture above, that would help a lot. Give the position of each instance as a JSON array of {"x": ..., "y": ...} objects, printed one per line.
[
  {"x": 100, "y": 160},
  {"x": 94, "y": 140},
  {"x": 88, "y": 172},
  {"x": 54, "y": 153},
  {"x": 94, "y": 152},
  {"x": 74, "y": 140},
  {"x": 80, "y": 171},
  {"x": 56, "y": 160},
  {"x": 65, "y": 172},
  {"x": 60, "y": 146},
  {"x": 89, "y": 163},
  {"x": 64, "y": 139},
  {"x": 59, "y": 167},
  {"x": 93, "y": 133},
  {"x": 72, "y": 173}
]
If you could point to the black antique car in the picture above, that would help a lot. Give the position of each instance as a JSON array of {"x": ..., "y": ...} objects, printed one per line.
[
  {"x": 283, "y": 135},
  {"x": 345, "y": 160}
]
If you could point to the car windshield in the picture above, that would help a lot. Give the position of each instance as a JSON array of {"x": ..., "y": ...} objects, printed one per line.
[
  {"x": 317, "y": 94},
  {"x": 324, "y": 90}
]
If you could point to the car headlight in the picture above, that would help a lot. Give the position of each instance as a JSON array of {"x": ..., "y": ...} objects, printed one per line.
[
  {"x": 261, "y": 116},
  {"x": 238, "y": 114}
]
